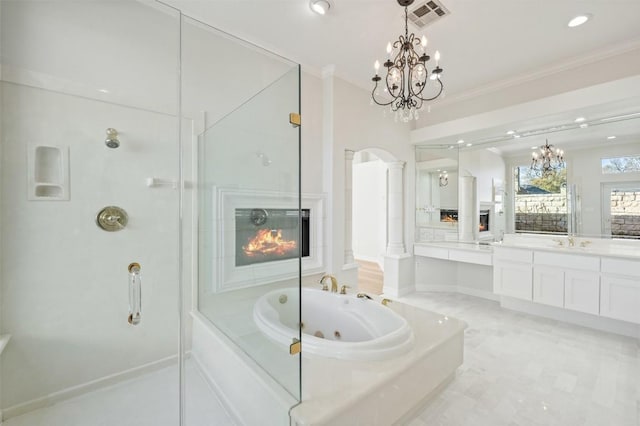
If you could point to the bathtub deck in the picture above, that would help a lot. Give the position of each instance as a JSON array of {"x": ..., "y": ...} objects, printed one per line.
[{"x": 339, "y": 392}]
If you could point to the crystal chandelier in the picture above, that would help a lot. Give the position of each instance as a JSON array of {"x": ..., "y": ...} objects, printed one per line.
[
  {"x": 407, "y": 74},
  {"x": 547, "y": 159}
]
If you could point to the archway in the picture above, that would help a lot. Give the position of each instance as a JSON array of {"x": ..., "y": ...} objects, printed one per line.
[{"x": 374, "y": 206}]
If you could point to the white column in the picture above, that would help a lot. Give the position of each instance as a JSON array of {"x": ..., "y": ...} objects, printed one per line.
[
  {"x": 395, "y": 244},
  {"x": 348, "y": 206}
]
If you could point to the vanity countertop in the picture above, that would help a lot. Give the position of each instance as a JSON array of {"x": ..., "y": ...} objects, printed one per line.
[
  {"x": 471, "y": 246},
  {"x": 594, "y": 246}
]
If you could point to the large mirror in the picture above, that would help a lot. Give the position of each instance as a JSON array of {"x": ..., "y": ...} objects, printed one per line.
[
  {"x": 590, "y": 186},
  {"x": 436, "y": 193}
]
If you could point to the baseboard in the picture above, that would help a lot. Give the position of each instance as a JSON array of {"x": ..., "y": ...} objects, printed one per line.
[
  {"x": 489, "y": 295},
  {"x": 379, "y": 260},
  {"x": 484, "y": 294},
  {"x": 596, "y": 322},
  {"x": 92, "y": 385}
]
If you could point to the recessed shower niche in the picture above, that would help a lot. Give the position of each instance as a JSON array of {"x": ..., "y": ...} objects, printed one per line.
[{"x": 48, "y": 172}]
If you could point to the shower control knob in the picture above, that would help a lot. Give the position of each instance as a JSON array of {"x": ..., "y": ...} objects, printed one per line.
[{"x": 112, "y": 218}]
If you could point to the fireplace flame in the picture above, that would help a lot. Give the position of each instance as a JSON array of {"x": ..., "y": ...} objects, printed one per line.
[{"x": 268, "y": 242}]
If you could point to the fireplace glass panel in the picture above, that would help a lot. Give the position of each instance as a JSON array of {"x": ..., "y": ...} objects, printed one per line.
[{"x": 270, "y": 235}]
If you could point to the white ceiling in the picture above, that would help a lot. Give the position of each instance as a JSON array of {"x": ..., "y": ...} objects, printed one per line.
[{"x": 482, "y": 42}]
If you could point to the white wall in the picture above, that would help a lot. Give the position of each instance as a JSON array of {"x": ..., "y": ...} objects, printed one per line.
[
  {"x": 68, "y": 71},
  {"x": 64, "y": 280},
  {"x": 369, "y": 210},
  {"x": 448, "y": 194},
  {"x": 485, "y": 166}
]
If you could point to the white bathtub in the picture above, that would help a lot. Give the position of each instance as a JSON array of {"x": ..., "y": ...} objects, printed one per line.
[{"x": 349, "y": 327}]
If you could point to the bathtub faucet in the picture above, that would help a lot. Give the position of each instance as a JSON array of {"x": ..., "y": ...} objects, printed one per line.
[
  {"x": 364, "y": 296},
  {"x": 334, "y": 283}
]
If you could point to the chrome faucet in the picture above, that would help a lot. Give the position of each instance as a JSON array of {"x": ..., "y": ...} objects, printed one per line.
[{"x": 334, "y": 283}]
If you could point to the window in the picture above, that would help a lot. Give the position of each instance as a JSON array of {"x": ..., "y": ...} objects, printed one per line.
[
  {"x": 616, "y": 165},
  {"x": 540, "y": 200}
]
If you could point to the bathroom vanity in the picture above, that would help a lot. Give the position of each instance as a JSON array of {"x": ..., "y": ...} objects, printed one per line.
[{"x": 591, "y": 282}]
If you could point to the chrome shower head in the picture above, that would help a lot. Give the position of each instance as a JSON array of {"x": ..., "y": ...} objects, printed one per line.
[{"x": 112, "y": 138}]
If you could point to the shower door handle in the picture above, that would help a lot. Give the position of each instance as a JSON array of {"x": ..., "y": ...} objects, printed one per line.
[{"x": 135, "y": 294}]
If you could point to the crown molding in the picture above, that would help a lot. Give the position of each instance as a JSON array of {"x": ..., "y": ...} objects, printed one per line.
[{"x": 572, "y": 63}]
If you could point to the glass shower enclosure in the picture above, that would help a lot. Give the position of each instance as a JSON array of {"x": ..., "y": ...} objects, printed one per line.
[{"x": 136, "y": 176}]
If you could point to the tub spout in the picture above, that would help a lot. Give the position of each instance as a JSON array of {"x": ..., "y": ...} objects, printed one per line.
[
  {"x": 334, "y": 283},
  {"x": 364, "y": 296}
]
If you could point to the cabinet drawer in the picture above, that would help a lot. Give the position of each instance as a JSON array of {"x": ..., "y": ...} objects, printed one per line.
[
  {"x": 627, "y": 267},
  {"x": 508, "y": 253},
  {"x": 470, "y": 257},
  {"x": 435, "y": 252},
  {"x": 569, "y": 261}
]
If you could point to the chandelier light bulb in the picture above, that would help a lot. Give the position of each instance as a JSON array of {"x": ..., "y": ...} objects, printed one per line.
[
  {"x": 376, "y": 66},
  {"x": 423, "y": 42},
  {"x": 437, "y": 56},
  {"x": 389, "y": 48}
]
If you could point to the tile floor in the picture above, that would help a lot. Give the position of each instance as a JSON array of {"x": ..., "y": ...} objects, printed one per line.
[
  {"x": 525, "y": 370},
  {"x": 519, "y": 370},
  {"x": 150, "y": 400}
]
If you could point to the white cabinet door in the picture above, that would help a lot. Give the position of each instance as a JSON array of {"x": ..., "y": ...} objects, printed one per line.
[
  {"x": 620, "y": 298},
  {"x": 512, "y": 279},
  {"x": 548, "y": 286},
  {"x": 582, "y": 291}
]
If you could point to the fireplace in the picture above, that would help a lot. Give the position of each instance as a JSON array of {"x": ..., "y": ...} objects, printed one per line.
[
  {"x": 484, "y": 220},
  {"x": 255, "y": 238},
  {"x": 448, "y": 215},
  {"x": 267, "y": 235}
]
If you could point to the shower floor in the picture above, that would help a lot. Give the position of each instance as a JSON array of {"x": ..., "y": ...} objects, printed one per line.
[{"x": 150, "y": 400}]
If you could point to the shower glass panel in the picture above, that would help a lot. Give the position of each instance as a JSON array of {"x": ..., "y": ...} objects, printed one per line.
[
  {"x": 252, "y": 232},
  {"x": 70, "y": 71}
]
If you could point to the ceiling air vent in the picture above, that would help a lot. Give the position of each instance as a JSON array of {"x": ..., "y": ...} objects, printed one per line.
[{"x": 426, "y": 12}]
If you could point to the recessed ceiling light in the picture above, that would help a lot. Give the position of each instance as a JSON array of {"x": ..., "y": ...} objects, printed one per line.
[
  {"x": 319, "y": 6},
  {"x": 611, "y": 137},
  {"x": 460, "y": 141},
  {"x": 579, "y": 119},
  {"x": 579, "y": 20},
  {"x": 516, "y": 136},
  {"x": 469, "y": 144},
  {"x": 511, "y": 132},
  {"x": 534, "y": 147},
  {"x": 103, "y": 91},
  {"x": 584, "y": 125}
]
